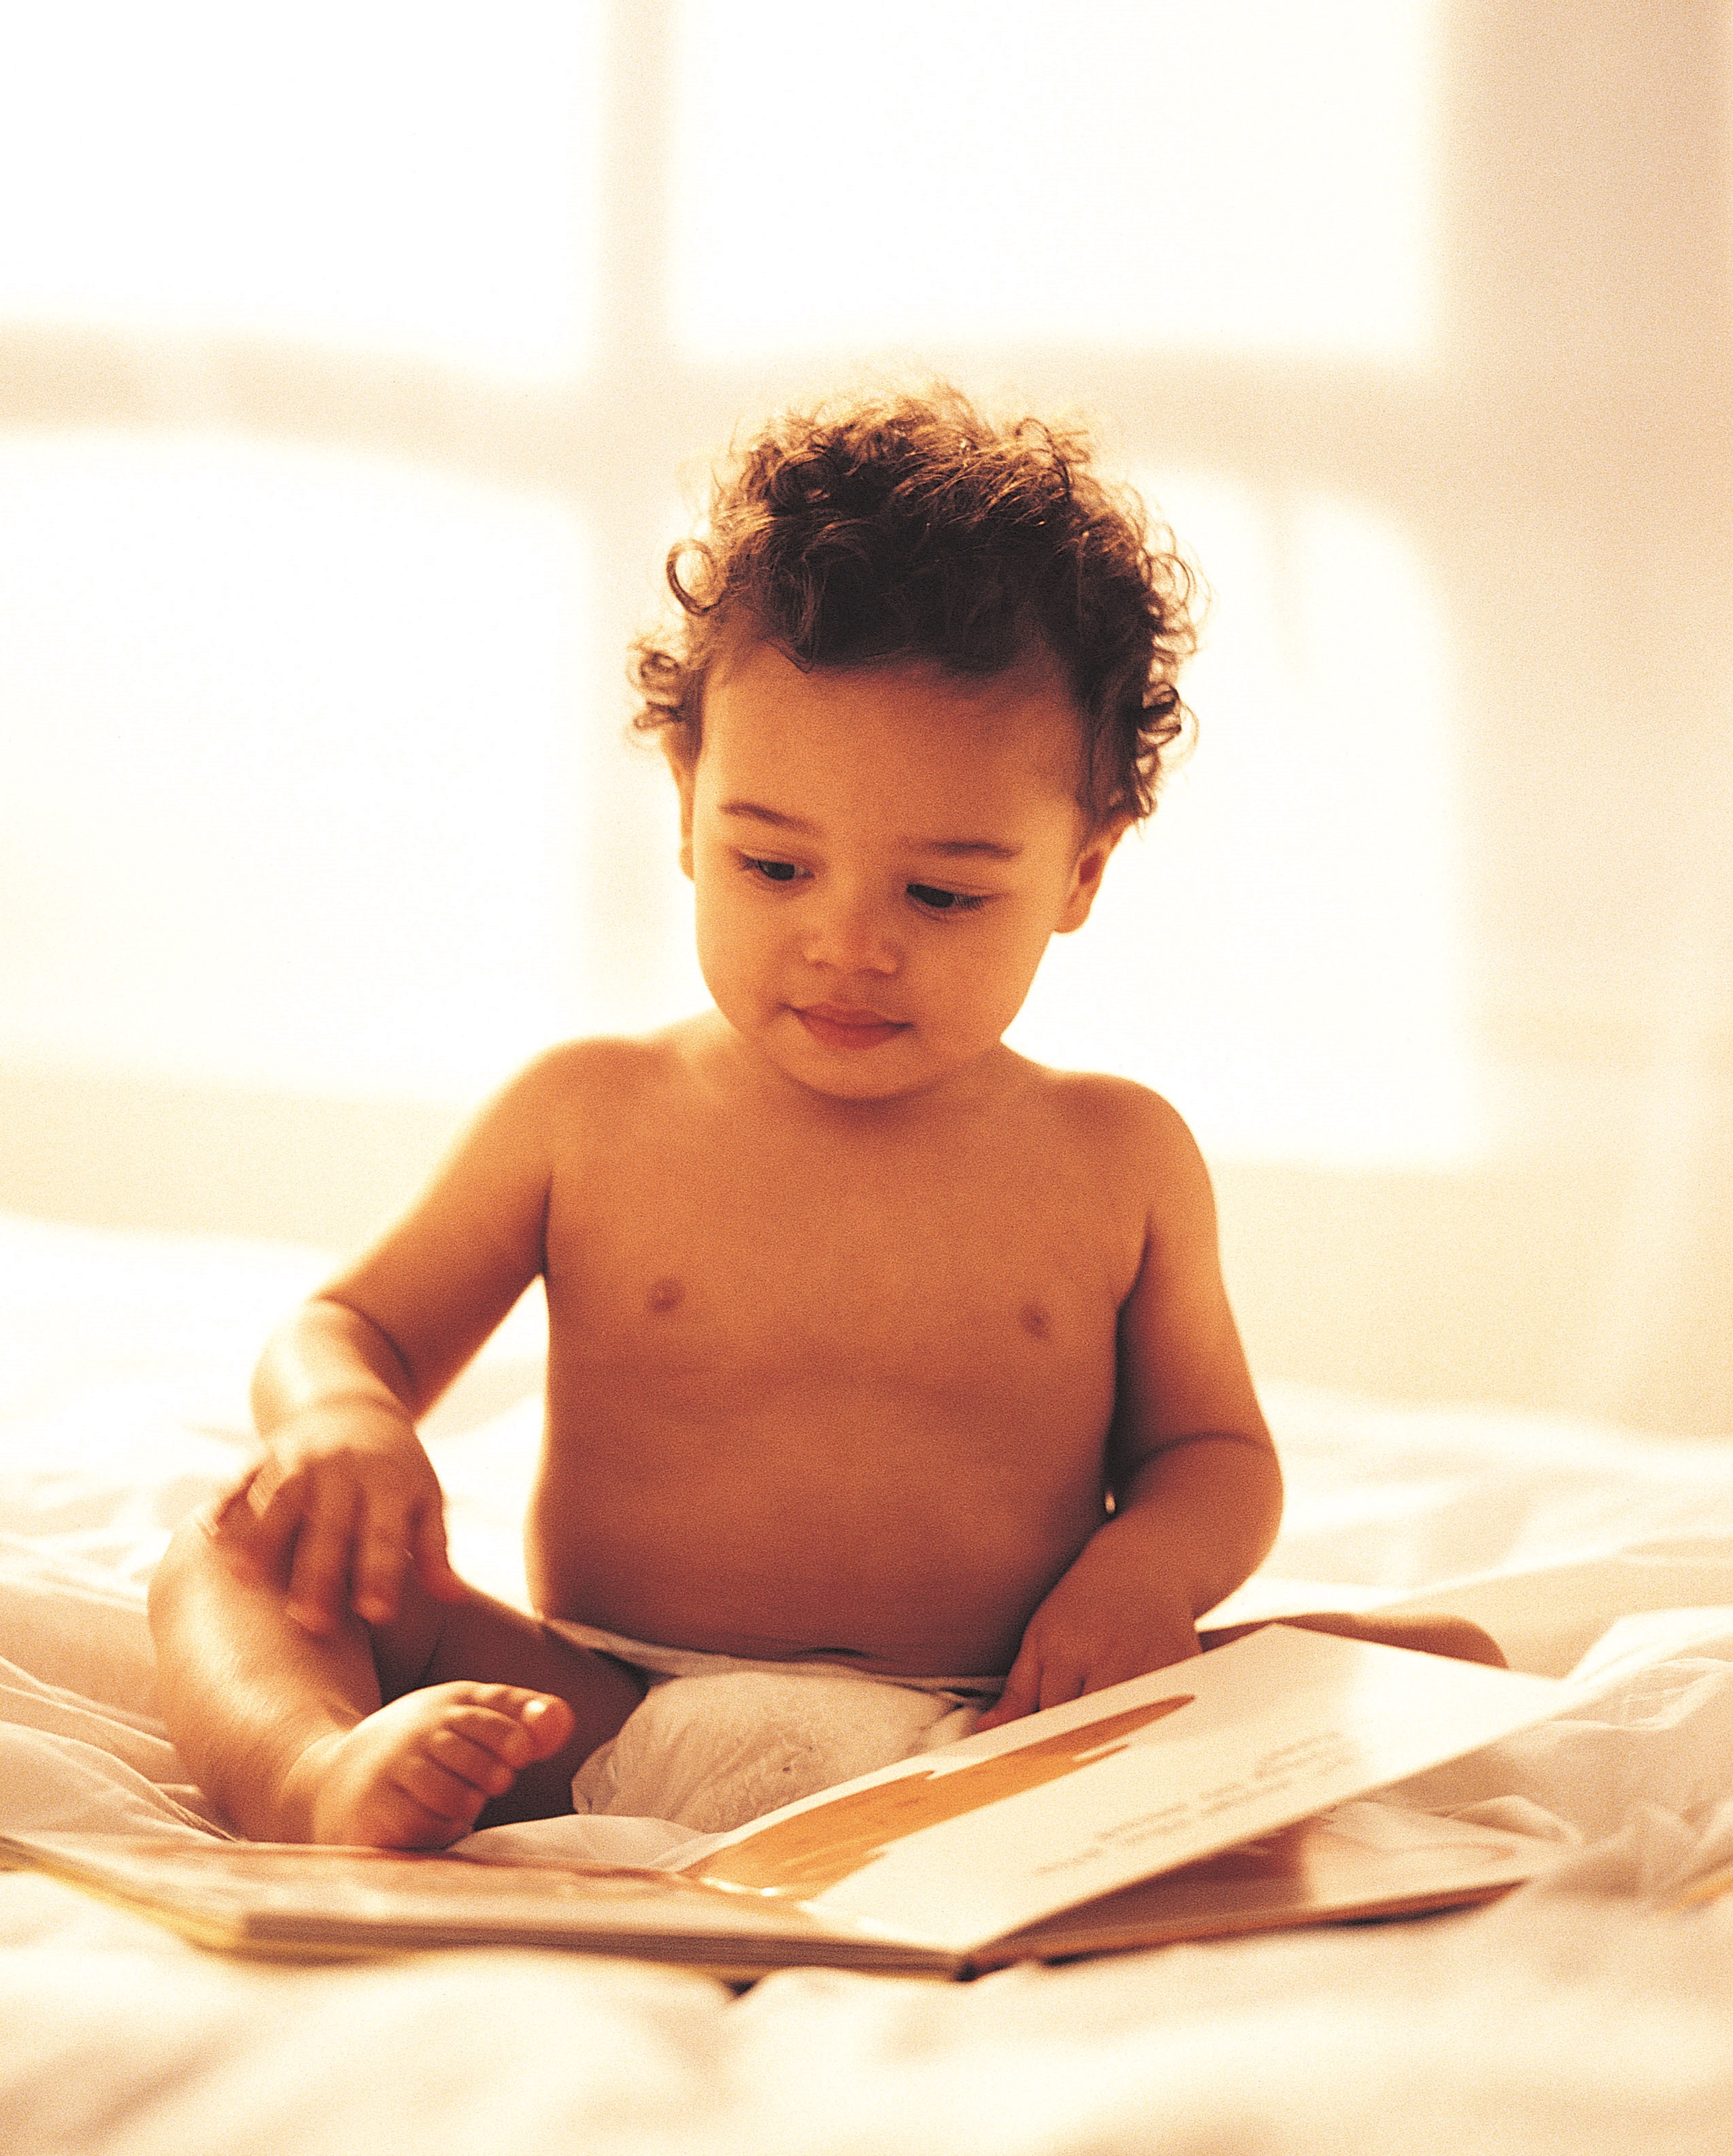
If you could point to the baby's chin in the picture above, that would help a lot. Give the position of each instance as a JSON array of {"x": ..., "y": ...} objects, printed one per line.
[
  {"x": 774, "y": 1046},
  {"x": 904, "y": 1067}
]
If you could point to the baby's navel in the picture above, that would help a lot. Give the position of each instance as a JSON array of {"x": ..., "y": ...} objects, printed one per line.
[
  {"x": 1034, "y": 1322},
  {"x": 666, "y": 1294}
]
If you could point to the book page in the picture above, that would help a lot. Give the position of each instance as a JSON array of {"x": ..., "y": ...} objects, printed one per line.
[
  {"x": 256, "y": 1896},
  {"x": 1356, "y": 1860},
  {"x": 953, "y": 1848}
]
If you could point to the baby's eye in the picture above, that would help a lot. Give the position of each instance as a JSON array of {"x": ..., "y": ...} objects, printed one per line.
[
  {"x": 936, "y": 901},
  {"x": 772, "y": 871}
]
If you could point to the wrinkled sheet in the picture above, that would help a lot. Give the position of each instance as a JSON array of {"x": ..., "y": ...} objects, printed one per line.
[{"x": 1579, "y": 2012}]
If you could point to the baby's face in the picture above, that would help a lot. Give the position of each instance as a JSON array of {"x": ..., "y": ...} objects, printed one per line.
[{"x": 880, "y": 855}]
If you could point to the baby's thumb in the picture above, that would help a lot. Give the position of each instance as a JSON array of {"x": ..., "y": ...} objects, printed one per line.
[
  {"x": 432, "y": 1562},
  {"x": 1022, "y": 1690}
]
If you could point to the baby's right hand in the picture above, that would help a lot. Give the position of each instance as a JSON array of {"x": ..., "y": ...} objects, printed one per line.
[{"x": 344, "y": 1503}]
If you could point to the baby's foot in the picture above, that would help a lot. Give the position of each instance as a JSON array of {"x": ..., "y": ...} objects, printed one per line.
[{"x": 416, "y": 1774}]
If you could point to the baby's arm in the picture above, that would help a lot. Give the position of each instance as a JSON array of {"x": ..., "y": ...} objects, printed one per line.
[
  {"x": 1196, "y": 1488},
  {"x": 345, "y": 1502}
]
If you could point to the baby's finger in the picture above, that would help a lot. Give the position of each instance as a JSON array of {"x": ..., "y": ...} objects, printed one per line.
[
  {"x": 324, "y": 1551},
  {"x": 1061, "y": 1683},
  {"x": 269, "y": 1522},
  {"x": 254, "y": 1528},
  {"x": 382, "y": 1556},
  {"x": 432, "y": 1558},
  {"x": 228, "y": 1517},
  {"x": 1021, "y": 1694},
  {"x": 229, "y": 1527}
]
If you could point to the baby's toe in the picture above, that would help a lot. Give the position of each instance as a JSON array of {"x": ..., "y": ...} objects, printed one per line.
[
  {"x": 434, "y": 1807},
  {"x": 547, "y": 1721},
  {"x": 476, "y": 1753},
  {"x": 519, "y": 1725}
]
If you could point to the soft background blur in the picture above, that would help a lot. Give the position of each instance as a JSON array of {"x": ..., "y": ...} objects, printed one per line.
[{"x": 357, "y": 362}]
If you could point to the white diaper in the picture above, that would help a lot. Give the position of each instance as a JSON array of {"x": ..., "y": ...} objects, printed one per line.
[{"x": 719, "y": 1740}]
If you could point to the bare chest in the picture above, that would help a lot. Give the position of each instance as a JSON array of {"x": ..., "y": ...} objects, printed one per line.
[{"x": 961, "y": 1280}]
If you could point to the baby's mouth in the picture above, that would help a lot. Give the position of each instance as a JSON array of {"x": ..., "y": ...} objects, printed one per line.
[{"x": 844, "y": 1025}]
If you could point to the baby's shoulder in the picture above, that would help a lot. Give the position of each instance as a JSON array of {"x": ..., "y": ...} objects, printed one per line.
[
  {"x": 1125, "y": 1139},
  {"x": 607, "y": 1079},
  {"x": 1117, "y": 1113}
]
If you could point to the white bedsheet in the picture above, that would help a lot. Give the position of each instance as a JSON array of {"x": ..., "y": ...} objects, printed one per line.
[{"x": 1575, "y": 2015}]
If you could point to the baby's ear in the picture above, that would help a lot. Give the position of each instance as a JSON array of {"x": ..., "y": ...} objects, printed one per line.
[
  {"x": 1086, "y": 875},
  {"x": 683, "y": 771}
]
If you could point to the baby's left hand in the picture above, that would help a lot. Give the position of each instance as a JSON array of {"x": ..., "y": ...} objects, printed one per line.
[{"x": 1103, "y": 1621}]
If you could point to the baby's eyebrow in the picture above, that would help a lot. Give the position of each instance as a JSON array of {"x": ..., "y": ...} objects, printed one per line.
[
  {"x": 759, "y": 814},
  {"x": 950, "y": 850},
  {"x": 954, "y": 849}
]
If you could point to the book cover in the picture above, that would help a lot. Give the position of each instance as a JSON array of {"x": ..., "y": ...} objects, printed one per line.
[{"x": 1216, "y": 1795}]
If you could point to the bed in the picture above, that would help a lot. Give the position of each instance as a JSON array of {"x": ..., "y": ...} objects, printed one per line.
[{"x": 1587, "y": 2010}]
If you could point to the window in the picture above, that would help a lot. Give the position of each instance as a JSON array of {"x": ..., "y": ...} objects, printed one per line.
[{"x": 363, "y": 343}]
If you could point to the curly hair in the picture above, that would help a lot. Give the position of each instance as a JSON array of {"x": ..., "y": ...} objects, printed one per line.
[{"x": 912, "y": 527}]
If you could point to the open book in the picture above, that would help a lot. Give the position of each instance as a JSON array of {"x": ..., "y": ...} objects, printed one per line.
[{"x": 1222, "y": 1795}]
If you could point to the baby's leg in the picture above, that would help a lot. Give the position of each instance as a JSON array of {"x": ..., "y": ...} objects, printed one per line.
[
  {"x": 1428, "y": 1632},
  {"x": 403, "y": 1735}
]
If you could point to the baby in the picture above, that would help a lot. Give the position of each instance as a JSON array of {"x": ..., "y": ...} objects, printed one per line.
[{"x": 873, "y": 1344}]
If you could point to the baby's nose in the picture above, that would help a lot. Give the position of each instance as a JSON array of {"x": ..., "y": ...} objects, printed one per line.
[{"x": 851, "y": 934}]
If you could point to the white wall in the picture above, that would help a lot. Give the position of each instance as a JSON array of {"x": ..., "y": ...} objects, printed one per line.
[{"x": 342, "y": 418}]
